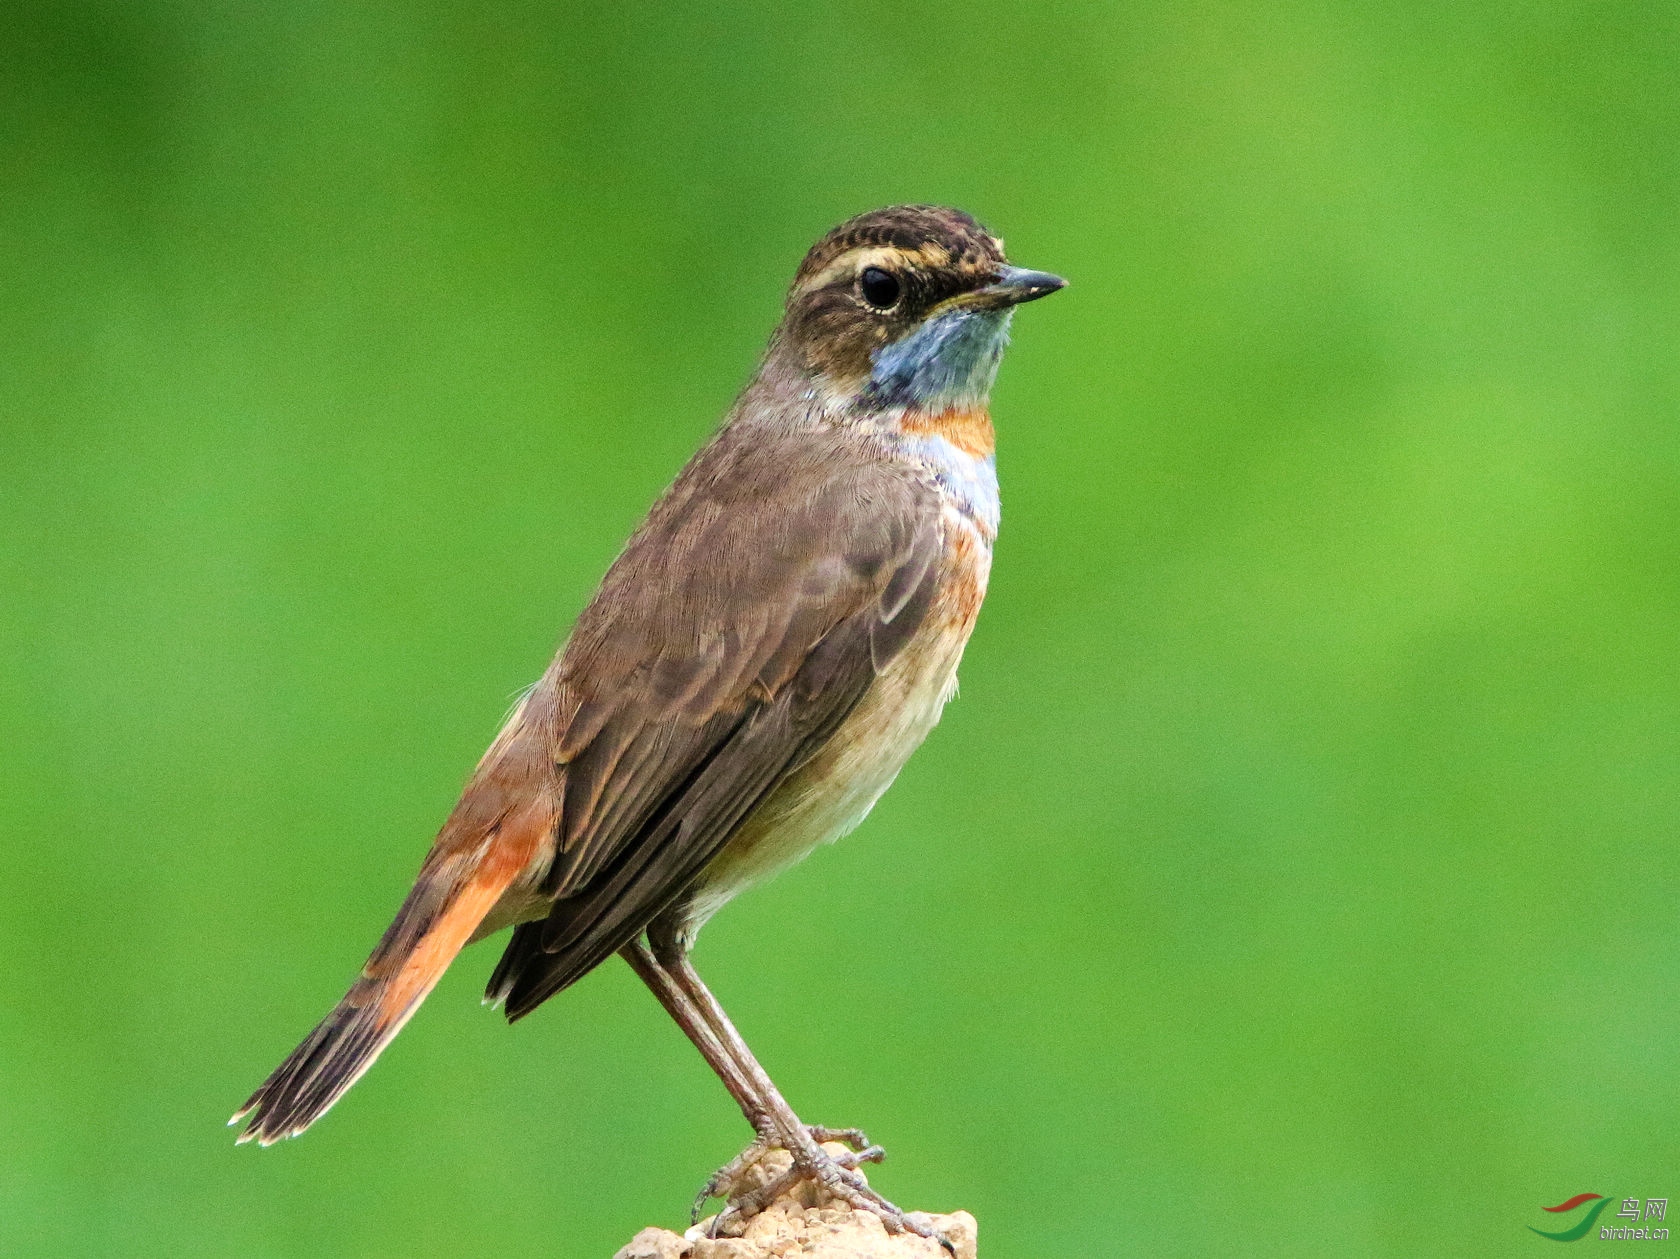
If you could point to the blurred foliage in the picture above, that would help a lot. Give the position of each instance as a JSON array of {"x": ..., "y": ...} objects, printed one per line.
[{"x": 1297, "y": 872}]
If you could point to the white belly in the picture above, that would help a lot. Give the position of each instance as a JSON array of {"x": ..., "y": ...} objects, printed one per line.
[{"x": 835, "y": 790}]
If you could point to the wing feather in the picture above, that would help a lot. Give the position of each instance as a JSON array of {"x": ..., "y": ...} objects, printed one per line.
[{"x": 744, "y": 621}]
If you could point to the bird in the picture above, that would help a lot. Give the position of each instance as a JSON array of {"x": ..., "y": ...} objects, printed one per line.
[{"x": 775, "y": 639}]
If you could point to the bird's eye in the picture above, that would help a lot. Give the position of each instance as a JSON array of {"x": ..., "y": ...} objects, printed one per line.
[{"x": 880, "y": 288}]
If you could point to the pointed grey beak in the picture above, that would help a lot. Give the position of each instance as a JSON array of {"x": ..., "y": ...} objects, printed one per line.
[{"x": 1015, "y": 285}]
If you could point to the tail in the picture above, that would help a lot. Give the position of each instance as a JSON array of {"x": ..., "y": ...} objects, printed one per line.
[{"x": 449, "y": 900}]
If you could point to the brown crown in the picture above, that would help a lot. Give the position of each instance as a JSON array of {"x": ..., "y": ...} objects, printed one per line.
[{"x": 911, "y": 228}]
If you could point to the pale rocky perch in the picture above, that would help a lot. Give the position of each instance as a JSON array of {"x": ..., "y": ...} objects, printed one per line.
[{"x": 805, "y": 1224}]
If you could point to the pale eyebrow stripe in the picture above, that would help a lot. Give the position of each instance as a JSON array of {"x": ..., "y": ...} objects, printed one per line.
[{"x": 929, "y": 255}]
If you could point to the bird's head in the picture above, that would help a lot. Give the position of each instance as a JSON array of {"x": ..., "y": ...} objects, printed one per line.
[{"x": 906, "y": 306}]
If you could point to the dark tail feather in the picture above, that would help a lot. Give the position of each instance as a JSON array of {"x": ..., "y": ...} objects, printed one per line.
[
  {"x": 440, "y": 914},
  {"x": 317, "y": 1073},
  {"x": 522, "y": 948}
]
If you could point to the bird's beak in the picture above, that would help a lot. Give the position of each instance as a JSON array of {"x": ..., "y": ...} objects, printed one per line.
[{"x": 1012, "y": 286}]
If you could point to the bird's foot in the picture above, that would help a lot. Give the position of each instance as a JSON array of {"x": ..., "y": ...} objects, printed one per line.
[
  {"x": 729, "y": 1182},
  {"x": 833, "y": 1173}
]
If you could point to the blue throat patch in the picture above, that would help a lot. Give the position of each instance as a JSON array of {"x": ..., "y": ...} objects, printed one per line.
[{"x": 950, "y": 361}]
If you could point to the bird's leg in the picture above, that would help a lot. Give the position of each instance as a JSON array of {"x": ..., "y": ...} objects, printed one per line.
[
  {"x": 695, "y": 1026},
  {"x": 837, "y": 1177}
]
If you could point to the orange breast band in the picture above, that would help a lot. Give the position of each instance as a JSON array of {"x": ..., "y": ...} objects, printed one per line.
[{"x": 969, "y": 429}]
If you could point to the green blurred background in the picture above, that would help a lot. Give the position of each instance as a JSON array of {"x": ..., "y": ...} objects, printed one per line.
[{"x": 1296, "y": 874}]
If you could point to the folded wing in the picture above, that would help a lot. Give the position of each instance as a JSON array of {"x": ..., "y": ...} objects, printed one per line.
[{"x": 742, "y": 624}]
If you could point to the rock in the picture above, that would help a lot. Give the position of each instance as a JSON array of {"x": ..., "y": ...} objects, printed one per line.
[
  {"x": 655, "y": 1243},
  {"x": 803, "y": 1223}
]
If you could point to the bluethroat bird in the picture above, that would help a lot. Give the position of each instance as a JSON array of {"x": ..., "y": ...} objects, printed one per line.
[{"x": 774, "y": 641}]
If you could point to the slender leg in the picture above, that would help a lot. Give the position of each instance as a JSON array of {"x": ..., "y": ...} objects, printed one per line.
[
  {"x": 810, "y": 1161},
  {"x": 694, "y": 1025}
]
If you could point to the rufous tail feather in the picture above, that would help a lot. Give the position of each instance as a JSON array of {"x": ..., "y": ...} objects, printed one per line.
[{"x": 448, "y": 902}]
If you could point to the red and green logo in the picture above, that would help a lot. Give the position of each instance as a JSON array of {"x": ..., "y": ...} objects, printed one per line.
[{"x": 1582, "y": 1226}]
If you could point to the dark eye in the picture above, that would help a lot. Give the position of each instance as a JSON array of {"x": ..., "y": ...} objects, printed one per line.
[{"x": 880, "y": 288}]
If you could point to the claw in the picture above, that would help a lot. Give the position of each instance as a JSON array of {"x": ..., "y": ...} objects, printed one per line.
[
  {"x": 722, "y": 1183},
  {"x": 725, "y": 1182},
  {"x": 833, "y": 1171},
  {"x": 854, "y": 1137}
]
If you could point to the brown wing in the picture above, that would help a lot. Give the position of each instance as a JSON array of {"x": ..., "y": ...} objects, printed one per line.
[{"x": 741, "y": 625}]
